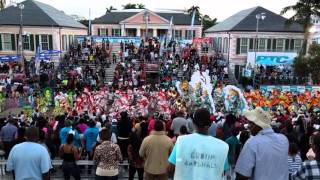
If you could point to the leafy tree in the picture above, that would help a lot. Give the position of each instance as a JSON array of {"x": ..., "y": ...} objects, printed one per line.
[
  {"x": 141, "y": 6},
  {"x": 84, "y": 22},
  {"x": 197, "y": 11},
  {"x": 208, "y": 22},
  {"x": 303, "y": 65},
  {"x": 129, "y": 6},
  {"x": 111, "y": 8},
  {"x": 304, "y": 9},
  {"x": 2, "y": 4}
]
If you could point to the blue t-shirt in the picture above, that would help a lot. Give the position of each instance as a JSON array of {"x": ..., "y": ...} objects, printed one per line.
[
  {"x": 90, "y": 136},
  {"x": 64, "y": 135},
  {"x": 29, "y": 160},
  {"x": 198, "y": 157}
]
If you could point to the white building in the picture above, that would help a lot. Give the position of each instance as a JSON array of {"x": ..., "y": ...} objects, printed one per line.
[
  {"x": 315, "y": 29},
  {"x": 236, "y": 36}
]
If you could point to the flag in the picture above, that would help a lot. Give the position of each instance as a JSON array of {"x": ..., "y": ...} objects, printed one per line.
[
  {"x": 193, "y": 18},
  {"x": 170, "y": 29},
  {"x": 89, "y": 22},
  {"x": 192, "y": 22}
]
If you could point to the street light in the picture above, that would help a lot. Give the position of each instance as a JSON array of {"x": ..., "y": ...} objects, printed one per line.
[
  {"x": 260, "y": 16},
  {"x": 21, "y": 7},
  {"x": 146, "y": 19}
]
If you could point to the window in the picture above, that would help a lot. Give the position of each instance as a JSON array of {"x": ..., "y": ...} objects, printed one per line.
[
  {"x": 26, "y": 42},
  {"x": 225, "y": 45},
  {"x": 44, "y": 41},
  {"x": 103, "y": 32},
  {"x": 190, "y": 34},
  {"x": 64, "y": 42},
  {"x": 177, "y": 34},
  {"x": 262, "y": 44},
  {"x": 6, "y": 42},
  {"x": 219, "y": 43},
  {"x": 70, "y": 40},
  {"x": 116, "y": 32},
  {"x": 297, "y": 45},
  {"x": 280, "y": 45},
  {"x": 244, "y": 45}
]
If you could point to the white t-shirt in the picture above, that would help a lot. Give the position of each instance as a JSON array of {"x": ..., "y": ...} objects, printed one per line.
[{"x": 198, "y": 157}]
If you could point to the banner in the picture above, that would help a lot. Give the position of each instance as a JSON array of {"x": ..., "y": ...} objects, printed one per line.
[
  {"x": 134, "y": 40},
  {"x": 270, "y": 58},
  {"x": 208, "y": 40},
  {"x": 292, "y": 89},
  {"x": 10, "y": 58}
]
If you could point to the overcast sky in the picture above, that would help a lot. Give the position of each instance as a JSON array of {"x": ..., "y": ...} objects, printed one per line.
[{"x": 220, "y": 9}]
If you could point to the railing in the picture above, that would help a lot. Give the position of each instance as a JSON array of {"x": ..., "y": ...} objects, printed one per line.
[{"x": 58, "y": 162}]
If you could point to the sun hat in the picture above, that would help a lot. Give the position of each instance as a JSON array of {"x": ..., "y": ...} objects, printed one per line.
[{"x": 259, "y": 117}]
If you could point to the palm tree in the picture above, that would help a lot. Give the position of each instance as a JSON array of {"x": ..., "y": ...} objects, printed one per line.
[
  {"x": 110, "y": 9},
  {"x": 129, "y": 6},
  {"x": 304, "y": 10},
  {"x": 141, "y": 6},
  {"x": 197, "y": 11},
  {"x": 2, "y": 4}
]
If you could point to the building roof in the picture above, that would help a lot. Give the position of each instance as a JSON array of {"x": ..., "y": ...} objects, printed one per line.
[
  {"x": 115, "y": 17},
  {"x": 37, "y": 14},
  {"x": 245, "y": 20}
]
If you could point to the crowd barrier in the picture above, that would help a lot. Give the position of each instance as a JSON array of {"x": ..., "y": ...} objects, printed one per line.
[{"x": 58, "y": 162}]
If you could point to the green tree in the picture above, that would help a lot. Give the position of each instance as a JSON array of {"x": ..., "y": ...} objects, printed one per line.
[
  {"x": 129, "y": 6},
  {"x": 304, "y": 10},
  {"x": 141, "y": 6},
  {"x": 2, "y": 4},
  {"x": 111, "y": 8},
  {"x": 305, "y": 65},
  {"x": 196, "y": 9},
  {"x": 208, "y": 22}
]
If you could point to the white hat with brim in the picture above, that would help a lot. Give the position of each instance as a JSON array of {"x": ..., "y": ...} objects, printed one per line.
[{"x": 259, "y": 117}]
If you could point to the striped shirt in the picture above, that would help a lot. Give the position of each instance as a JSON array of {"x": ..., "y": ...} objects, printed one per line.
[{"x": 294, "y": 163}]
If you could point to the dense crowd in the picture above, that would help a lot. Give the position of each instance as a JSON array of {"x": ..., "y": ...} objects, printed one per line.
[{"x": 155, "y": 126}]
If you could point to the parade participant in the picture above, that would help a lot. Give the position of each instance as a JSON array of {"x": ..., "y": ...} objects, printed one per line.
[
  {"x": 265, "y": 155},
  {"x": 29, "y": 160},
  {"x": 155, "y": 150},
  {"x": 198, "y": 156}
]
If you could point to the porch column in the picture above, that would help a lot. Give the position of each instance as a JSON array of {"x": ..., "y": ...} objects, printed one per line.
[
  {"x": 155, "y": 34},
  {"x": 138, "y": 32},
  {"x": 123, "y": 30}
]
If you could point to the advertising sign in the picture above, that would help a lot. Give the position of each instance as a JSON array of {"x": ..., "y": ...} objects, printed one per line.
[
  {"x": 208, "y": 40},
  {"x": 134, "y": 40},
  {"x": 292, "y": 89},
  {"x": 270, "y": 58}
]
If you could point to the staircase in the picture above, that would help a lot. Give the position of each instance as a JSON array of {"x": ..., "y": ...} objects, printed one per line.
[
  {"x": 115, "y": 48},
  {"x": 110, "y": 73}
]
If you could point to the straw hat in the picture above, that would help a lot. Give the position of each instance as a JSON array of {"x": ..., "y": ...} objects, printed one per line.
[{"x": 259, "y": 117}]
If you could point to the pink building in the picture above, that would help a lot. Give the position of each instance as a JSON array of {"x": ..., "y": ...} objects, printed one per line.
[
  {"x": 43, "y": 27},
  {"x": 132, "y": 23}
]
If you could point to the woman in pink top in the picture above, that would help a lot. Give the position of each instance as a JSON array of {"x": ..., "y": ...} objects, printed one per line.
[{"x": 82, "y": 126}]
